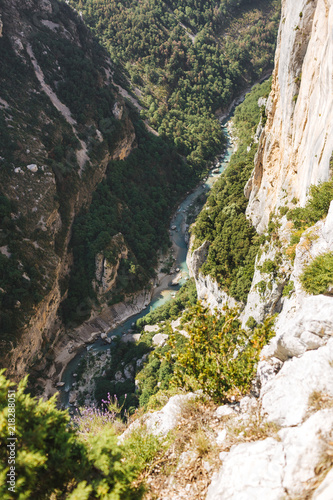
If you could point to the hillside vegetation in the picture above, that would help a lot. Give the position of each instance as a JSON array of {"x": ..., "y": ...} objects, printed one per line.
[
  {"x": 185, "y": 59},
  {"x": 233, "y": 241}
]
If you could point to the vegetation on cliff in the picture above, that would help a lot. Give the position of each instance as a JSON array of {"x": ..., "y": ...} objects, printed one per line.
[
  {"x": 215, "y": 355},
  {"x": 233, "y": 241}
]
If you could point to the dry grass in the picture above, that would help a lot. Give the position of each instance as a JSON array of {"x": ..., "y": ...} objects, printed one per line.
[
  {"x": 194, "y": 441},
  {"x": 253, "y": 429},
  {"x": 195, "y": 434},
  {"x": 319, "y": 401}
]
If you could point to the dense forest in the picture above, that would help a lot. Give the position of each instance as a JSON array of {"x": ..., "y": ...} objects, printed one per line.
[
  {"x": 181, "y": 82},
  {"x": 185, "y": 59}
]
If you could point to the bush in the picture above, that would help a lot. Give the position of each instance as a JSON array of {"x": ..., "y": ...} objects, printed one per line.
[
  {"x": 288, "y": 289},
  {"x": 316, "y": 207},
  {"x": 318, "y": 275},
  {"x": 51, "y": 461},
  {"x": 219, "y": 357}
]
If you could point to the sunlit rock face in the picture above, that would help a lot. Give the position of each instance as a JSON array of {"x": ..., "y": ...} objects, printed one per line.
[{"x": 296, "y": 146}]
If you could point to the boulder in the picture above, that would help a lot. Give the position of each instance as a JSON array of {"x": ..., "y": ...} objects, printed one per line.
[
  {"x": 285, "y": 397},
  {"x": 160, "y": 339},
  {"x": 32, "y": 167},
  {"x": 151, "y": 328}
]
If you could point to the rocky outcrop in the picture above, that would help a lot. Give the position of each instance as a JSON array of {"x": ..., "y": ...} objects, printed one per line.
[
  {"x": 296, "y": 146},
  {"x": 274, "y": 469},
  {"x": 160, "y": 423},
  {"x": 208, "y": 290},
  {"x": 106, "y": 272}
]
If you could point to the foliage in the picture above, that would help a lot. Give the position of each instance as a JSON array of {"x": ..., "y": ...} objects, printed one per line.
[
  {"x": 141, "y": 448},
  {"x": 51, "y": 460},
  {"x": 288, "y": 289},
  {"x": 316, "y": 207},
  {"x": 187, "y": 295},
  {"x": 91, "y": 420},
  {"x": 318, "y": 275},
  {"x": 184, "y": 77},
  {"x": 269, "y": 267},
  {"x": 223, "y": 223},
  {"x": 219, "y": 357}
]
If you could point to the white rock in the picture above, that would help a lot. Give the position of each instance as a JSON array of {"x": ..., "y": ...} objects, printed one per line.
[
  {"x": 128, "y": 371},
  {"x": 186, "y": 458},
  {"x": 296, "y": 146},
  {"x": 130, "y": 337},
  {"x": 151, "y": 328},
  {"x": 160, "y": 339},
  {"x": 32, "y": 167},
  {"x": 306, "y": 328},
  {"x": 325, "y": 490},
  {"x": 140, "y": 361},
  {"x": 103, "y": 335},
  {"x": 175, "y": 324},
  {"x": 303, "y": 448},
  {"x": 221, "y": 435},
  {"x": 163, "y": 421},
  {"x": 223, "y": 411},
  {"x": 248, "y": 404},
  {"x": 267, "y": 370},
  {"x": 72, "y": 397},
  {"x": 285, "y": 397},
  {"x": 118, "y": 376},
  {"x": 223, "y": 455},
  {"x": 251, "y": 471}
]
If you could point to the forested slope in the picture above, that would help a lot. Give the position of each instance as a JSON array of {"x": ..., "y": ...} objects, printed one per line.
[{"x": 186, "y": 59}]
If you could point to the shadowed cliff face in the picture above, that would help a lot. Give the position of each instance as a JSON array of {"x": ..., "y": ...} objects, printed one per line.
[
  {"x": 55, "y": 92},
  {"x": 296, "y": 145}
]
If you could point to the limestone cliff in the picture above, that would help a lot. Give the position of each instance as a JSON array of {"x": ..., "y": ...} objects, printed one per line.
[
  {"x": 293, "y": 389},
  {"x": 297, "y": 142}
]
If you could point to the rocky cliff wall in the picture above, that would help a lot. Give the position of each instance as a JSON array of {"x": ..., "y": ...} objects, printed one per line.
[
  {"x": 51, "y": 162},
  {"x": 296, "y": 146}
]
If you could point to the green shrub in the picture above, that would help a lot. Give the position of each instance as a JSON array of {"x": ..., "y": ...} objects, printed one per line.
[
  {"x": 261, "y": 286},
  {"x": 251, "y": 323},
  {"x": 316, "y": 207},
  {"x": 318, "y": 275},
  {"x": 269, "y": 267},
  {"x": 288, "y": 289},
  {"x": 187, "y": 295},
  {"x": 51, "y": 461},
  {"x": 219, "y": 357},
  {"x": 234, "y": 242}
]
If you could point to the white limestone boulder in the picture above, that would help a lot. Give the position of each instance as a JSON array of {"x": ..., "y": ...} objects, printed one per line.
[{"x": 285, "y": 397}]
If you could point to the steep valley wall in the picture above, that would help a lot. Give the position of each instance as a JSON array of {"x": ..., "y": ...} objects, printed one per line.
[{"x": 296, "y": 146}]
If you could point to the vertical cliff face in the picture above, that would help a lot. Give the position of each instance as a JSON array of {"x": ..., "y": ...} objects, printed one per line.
[{"x": 297, "y": 142}]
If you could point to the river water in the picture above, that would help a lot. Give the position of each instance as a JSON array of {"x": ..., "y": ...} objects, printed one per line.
[{"x": 165, "y": 292}]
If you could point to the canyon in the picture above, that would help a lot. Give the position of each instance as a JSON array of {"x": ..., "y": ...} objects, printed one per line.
[{"x": 284, "y": 426}]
